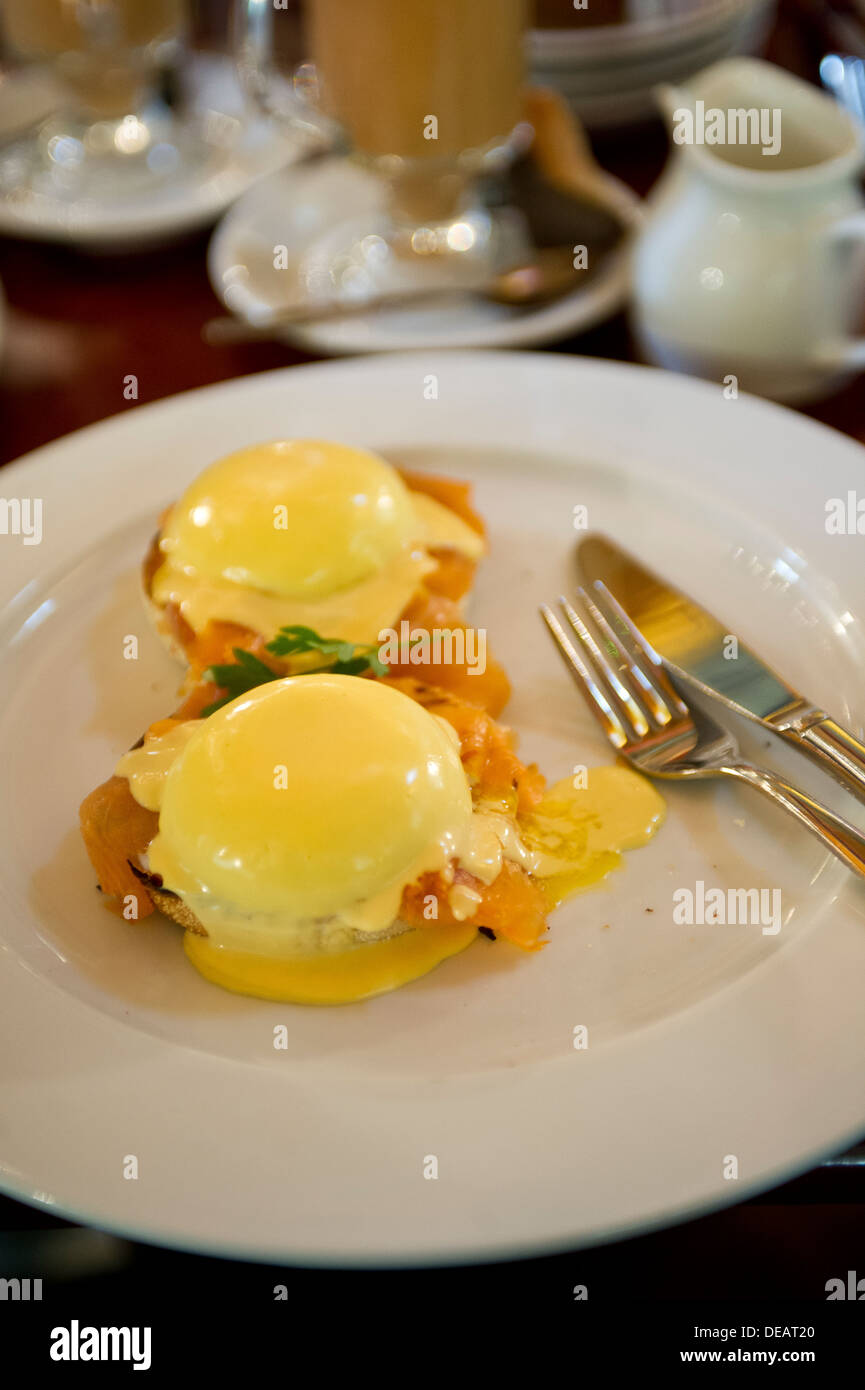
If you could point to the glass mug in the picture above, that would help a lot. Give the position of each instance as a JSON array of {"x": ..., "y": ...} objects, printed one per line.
[
  {"x": 104, "y": 57},
  {"x": 427, "y": 94}
]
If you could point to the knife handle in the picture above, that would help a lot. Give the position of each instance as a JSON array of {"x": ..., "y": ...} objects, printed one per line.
[{"x": 836, "y": 749}]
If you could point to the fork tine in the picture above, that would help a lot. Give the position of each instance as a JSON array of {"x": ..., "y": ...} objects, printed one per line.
[
  {"x": 651, "y": 696},
  {"x": 582, "y": 674},
  {"x": 644, "y": 657},
  {"x": 622, "y": 698}
]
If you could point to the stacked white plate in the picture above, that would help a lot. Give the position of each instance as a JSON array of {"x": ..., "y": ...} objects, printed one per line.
[{"x": 607, "y": 72}]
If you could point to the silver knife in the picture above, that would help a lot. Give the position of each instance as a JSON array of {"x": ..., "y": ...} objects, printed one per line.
[{"x": 698, "y": 646}]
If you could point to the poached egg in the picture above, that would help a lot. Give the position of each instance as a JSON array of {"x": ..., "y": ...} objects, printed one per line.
[
  {"x": 305, "y": 532},
  {"x": 290, "y": 823}
]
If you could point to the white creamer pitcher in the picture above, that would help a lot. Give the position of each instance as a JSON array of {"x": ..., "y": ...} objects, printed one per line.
[{"x": 752, "y": 264}]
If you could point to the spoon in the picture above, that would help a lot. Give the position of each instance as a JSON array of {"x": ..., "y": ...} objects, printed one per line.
[{"x": 550, "y": 275}]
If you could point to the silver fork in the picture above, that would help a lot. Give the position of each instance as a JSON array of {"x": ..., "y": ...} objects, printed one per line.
[{"x": 646, "y": 719}]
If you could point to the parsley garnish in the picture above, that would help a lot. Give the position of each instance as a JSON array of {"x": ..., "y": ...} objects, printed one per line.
[{"x": 248, "y": 671}]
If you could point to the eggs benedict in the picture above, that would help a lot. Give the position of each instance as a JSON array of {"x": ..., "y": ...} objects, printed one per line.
[
  {"x": 289, "y": 828},
  {"x": 324, "y": 838},
  {"x": 307, "y": 532}
]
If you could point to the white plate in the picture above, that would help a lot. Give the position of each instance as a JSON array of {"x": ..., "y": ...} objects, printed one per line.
[
  {"x": 704, "y": 1042},
  {"x": 595, "y": 81},
  {"x": 241, "y": 148},
  {"x": 635, "y": 39},
  {"x": 619, "y": 89},
  {"x": 298, "y": 206}
]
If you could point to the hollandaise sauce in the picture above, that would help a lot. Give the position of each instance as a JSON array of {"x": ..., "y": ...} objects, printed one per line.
[{"x": 580, "y": 830}]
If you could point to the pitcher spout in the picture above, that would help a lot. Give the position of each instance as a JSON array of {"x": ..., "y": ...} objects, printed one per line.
[
  {"x": 753, "y": 115},
  {"x": 672, "y": 101}
]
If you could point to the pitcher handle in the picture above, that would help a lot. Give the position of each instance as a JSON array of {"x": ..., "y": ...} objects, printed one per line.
[{"x": 845, "y": 351}]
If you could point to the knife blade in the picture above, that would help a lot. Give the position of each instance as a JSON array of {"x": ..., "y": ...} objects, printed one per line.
[{"x": 695, "y": 644}]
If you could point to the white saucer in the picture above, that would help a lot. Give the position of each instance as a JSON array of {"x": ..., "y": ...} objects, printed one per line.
[
  {"x": 295, "y": 208},
  {"x": 240, "y": 149}
]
